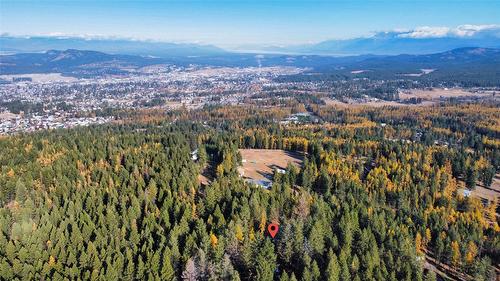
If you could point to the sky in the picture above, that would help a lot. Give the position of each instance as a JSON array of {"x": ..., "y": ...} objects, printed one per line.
[{"x": 228, "y": 23}]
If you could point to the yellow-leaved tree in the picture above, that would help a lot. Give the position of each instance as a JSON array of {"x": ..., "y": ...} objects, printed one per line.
[{"x": 455, "y": 254}]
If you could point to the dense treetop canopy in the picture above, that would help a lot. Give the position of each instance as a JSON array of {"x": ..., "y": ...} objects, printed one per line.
[{"x": 378, "y": 197}]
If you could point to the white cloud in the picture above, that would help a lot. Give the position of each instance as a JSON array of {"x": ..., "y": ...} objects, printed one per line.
[
  {"x": 87, "y": 37},
  {"x": 467, "y": 30},
  {"x": 426, "y": 32},
  {"x": 90, "y": 37}
]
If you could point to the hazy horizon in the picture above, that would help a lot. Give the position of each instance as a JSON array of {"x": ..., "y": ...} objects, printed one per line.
[{"x": 230, "y": 24}]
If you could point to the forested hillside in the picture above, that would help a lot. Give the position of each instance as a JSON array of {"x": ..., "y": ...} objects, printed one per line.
[{"x": 379, "y": 197}]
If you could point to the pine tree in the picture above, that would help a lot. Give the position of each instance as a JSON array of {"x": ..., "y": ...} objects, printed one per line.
[
  {"x": 471, "y": 177},
  {"x": 430, "y": 276},
  {"x": 167, "y": 270},
  {"x": 284, "y": 276},
  {"x": 265, "y": 261},
  {"x": 333, "y": 267},
  {"x": 315, "y": 273}
]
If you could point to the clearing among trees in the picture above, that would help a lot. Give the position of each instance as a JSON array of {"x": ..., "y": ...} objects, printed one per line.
[
  {"x": 437, "y": 93},
  {"x": 259, "y": 164}
]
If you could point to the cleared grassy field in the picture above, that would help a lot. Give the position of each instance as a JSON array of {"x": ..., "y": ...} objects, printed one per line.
[
  {"x": 379, "y": 103},
  {"x": 489, "y": 193},
  {"x": 429, "y": 97},
  {"x": 259, "y": 164},
  {"x": 438, "y": 93}
]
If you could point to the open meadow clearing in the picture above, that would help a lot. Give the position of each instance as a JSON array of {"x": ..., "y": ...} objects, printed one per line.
[
  {"x": 259, "y": 164},
  {"x": 438, "y": 93}
]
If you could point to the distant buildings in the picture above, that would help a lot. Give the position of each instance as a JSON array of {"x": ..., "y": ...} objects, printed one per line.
[
  {"x": 266, "y": 184},
  {"x": 467, "y": 193},
  {"x": 194, "y": 155},
  {"x": 42, "y": 122},
  {"x": 300, "y": 118}
]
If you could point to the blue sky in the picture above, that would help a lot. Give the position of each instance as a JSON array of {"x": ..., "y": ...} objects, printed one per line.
[{"x": 231, "y": 23}]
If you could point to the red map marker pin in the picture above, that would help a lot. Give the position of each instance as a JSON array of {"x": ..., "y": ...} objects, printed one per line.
[{"x": 272, "y": 228}]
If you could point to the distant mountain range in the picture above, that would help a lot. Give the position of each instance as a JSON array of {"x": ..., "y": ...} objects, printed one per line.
[
  {"x": 455, "y": 58},
  {"x": 72, "y": 62},
  {"x": 425, "y": 40},
  {"x": 478, "y": 62},
  {"x": 17, "y": 44},
  {"x": 391, "y": 43},
  {"x": 470, "y": 66}
]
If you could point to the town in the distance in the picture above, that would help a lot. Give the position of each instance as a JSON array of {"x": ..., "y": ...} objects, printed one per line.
[{"x": 94, "y": 87}]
